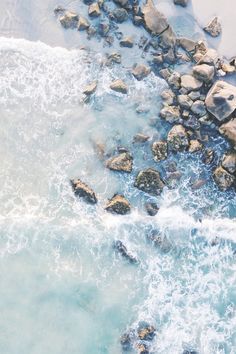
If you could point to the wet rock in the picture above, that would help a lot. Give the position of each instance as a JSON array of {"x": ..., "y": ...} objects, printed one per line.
[
  {"x": 94, "y": 10},
  {"x": 83, "y": 24},
  {"x": 146, "y": 331},
  {"x": 169, "y": 57},
  {"x": 142, "y": 348},
  {"x": 167, "y": 38},
  {"x": 194, "y": 95},
  {"x": 200, "y": 51},
  {"x": 195, "y": 145},
  {"x": 183, "y": 3},
  {"x": 83, "y": 191},
  {"x": 184, "y": 101},
  {"x": 199, "y": 108},
  {"x": 187, "y": 44},
  {"x": 208, "y": 156},
  {"x": 140, "y": 138},
  {"x": 199, "y": 183},
  {"x": 69, "y": 20},
  {"x": 204, "y": 72},
  {"x": 229, "y": 162},
  {"x": 118, "y": 205},
  {"x": 210, "y": 57},
  {"x": 154, "y": 21},
  {"x": 174, "y": 80},
  {"x": 159, "y": 150},
  {"x": 149, "y": 181},
  {"x": 190, "y": 83},
  {"x": 114, "y": 58},
  {"x": 137, "y": 20},
  {"x": 165, "y": 73},
  {"x": 168, "y": 97},
  {"x": 119, "y": 86},
  {"x": 227, "y": 68},
  {"x": 192, "y": 122},
  {"x": 90, "y": 89},
  {"x": 122, "y": 162},
  {"x": 126, "y": 341},
  {"x": 214, "y": 27},
  {"x": 121, "y": 248},
  {"x": 151, "y": 208},
  {"x": 120, "y": 15},
  {"x": 177, "y": 138},
  {"x": 170, "y": 113},
  {"x": 190, "y": 351},
  {"x": 223, "y": 178},
  {"x": 221, "y": 100},
  {"x": 141, "y": 71},
  {"x": 229, "y": 131},
  {"x": 103, "y": 27},
  {"x": 127, "y": 42}
]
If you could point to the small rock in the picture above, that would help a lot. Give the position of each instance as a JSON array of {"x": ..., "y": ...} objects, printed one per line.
[
  {"x": 204, "y": 72},
  {"x": 69, "y": 20},
  {"x": 223, "y": 178},
  {"x": 149, "y": 181},
  {"x": 208, "y": 156},
  {"x": 177, "y": 138},
  {"x": 229, "y": 162},
  {"x": 190, "y": 83},
  {"x": 199, "y": 108},
  {"x": 94, "y": 10},
  {"x": 83, "y": 24},
  {"x": 151, "y": 208},
  {"x": 174, "y": 80},
  {"x": 194, "y": 146},
  {"x": 168, "y": 97},
  {"x": 214, "y": 27},
  {"x": 183, "y": 3},
  {"x": 140, "y": 138},
  {"x": 184, "y": 101},
  {"x": 169, "y": 57},
  {"x": 120, "y": 15},
  {"x": 119, "y": 86},
  {"x": 210, "y": 57},
  {"x": 83, "y": 191},
  {"x": 198, "y": 184},
  {"x": 127, "y": 42},
  {"x": 118, "y": 205},
  {"x": 194, "y": 95},
  {"x": 146, "y": 331},
  {"x": 170, "y": 113},
  {"x": 122, "y": 162},
  {"x": 229, "y": 131},
  {"x": 227, "y": 68},
  {"x": 157, "y": 59},
  {"x": 122, "y": 3},
  {"x": 159, "y": 150},
  {"x": 90, "y": 89},
  {"x": 165, "y": 73},
  {"x": 141, "y": 71},
  {"x": 187, "y": 44},
  {"x": 121, "y": 248}
]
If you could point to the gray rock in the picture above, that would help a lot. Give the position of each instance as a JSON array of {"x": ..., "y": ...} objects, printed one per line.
[
  {"x": 122, "y": 3},
  {"x": 118, "y": 205},
  {"x": 122, "y": 162},
  {"x": 229, "y": 162},
  {"x": 178, "y": 138},
  {"x": 154, "y": 21},
  {"x": 223, "y": 178},
  {"x": 165, "y": 73},
  {"x": 170, "y": 113},
  {"x": 221, "y": 100},
  {"x": 167, "y": 38},
  {"x": 183, "y": 3},
  {"x": 141, "y": 71},
  {"x": 199, "y": 108},
  {"x": 122, "y": 250},
  {"x": 120, "y": 15},
  {"x": 214, "y": 27},
  {"x": 187, "y": 44},
  {"x": 229, "y": 131},
  {"x": 149, "y": 181},
  {"x": 190, "y": 83},
  {"x": 69, "y": 19},
  {"x": 94, "y": 10},
  {"x": 184, "y": 101},
  {"x": 204, "y": 72},
  {"x": 159, "y": 150},
  {"x": 83, "y": 191},
  {"x": 151, "y": 208},
  {"x": 210, "y": 57},
  {"x": 90, "y": 89},
  {"x": 127, "y": 42},
  {"x": 114, "y": 58},
  {"x": 137, "y": 20},
  {"x": 119, "y": 86},
  {"x": 83, "y": 24}
]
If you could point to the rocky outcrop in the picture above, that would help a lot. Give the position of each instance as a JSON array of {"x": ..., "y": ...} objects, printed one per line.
[
  {"x": 118, "y": 205},
  {"x": 122, "y": 162},
  {"x": 159, "y": 150},
  {"x": 122, "y": 250},
  {"x": 119, "y": 86},
  {"x": 223, "y": 178},
  {"x": 229, "y": 131},
  {"x": 214, "y": 27},
  {"x": 149, "y": 181},
  {"x": 83, "y": 191},
  {"x": 178, "y": 138},
  {"x": 221, "y": 100}
]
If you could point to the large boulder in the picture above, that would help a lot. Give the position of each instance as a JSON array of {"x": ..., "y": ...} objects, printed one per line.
[
  {"x": 118, "y": 205},
  {"x": 229, "y": 131},
  {"x": 221, "y": 100},
  {"x": 149, "y": 181},
  {"x": 204, "y": 72},
  {"x": 154, "y": 21},
  {"x": 83, "y": 191},
  {"x": 122, "y": 162}
]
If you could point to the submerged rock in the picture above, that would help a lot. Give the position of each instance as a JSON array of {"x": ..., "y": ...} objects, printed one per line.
[
  {"x": 183, "y": 3},
  {"x": 159, "y": 150},
  {"x": 187, "y": 44},
  {"x": 126, "y": 341},
  {"x": 214, "y": 27},
  {"x": 204, "y": 72},
  {"x": 229, "y": 131},
  {"x": 69, "y": 19},
  {"x": 185, "y": 101},
  {"x": 90, "y": 89},
  {"x": 82, "y": 190},
  {"x": 121, "y": 248},
  {"x": 223, "y": 178},
  {"x": 149, "y": 181},
  {"x": 120, "y": 15},
  {"x": 118, "y": 205},
  {"x": 140, "y": 138},
  {"x": 146, "y": 331},
  {"x": 142, "y": 348},
  {"x": 178, "y": 138},
  {"x": 122, "y": 162},
  {"x": 119, "y": 86},
  {"x": 199, "y": 108},
  {"x": 141, "y": 71},
  {"x": 151, "y": 208},
  {"x": 127, "y": 42},
  {"x": 94, "y": 10},
  {"x": 154, "y": 21},
  {"x": 221, "y": 100}
]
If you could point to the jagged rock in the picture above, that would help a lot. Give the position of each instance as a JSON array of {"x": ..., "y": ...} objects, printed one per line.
[
  {"x": 168, "y": 97},
  {"x": 210, "y": 57},
  {"x": 127, "y": 42},
  {"x": 174, "y": 80},
  {"x": 141, "y": 71},
  {"x": 154, "y": 21},
  {"x": 194, "y": 95},
  {"x": 229, "y": 131},
  {"x": 221, "y": 100},
  {"x": 229, "y": 162},
  {"x": 140, "y": 138},
  {"x": 223, "y": 178},
  {"x": 187, "y": 44},
  {"x": 83, "y": 24},
  {"x": 208, "y": 156},
  {"x": 146, "y": 331},
  {"x": 204, "y": 72},
  {"x": 122, "y": 162},
  {"x": 199, "y": 108},
  {"x": 121, "y": 248},
  {"x": 183, "y": 3},
  {"x": 119, "y": 86},
  {"x": 214, "y": 27},
  {"x": 120, "y": 15},
  {"x": 184, "y": 101},
  {"x": 151, "y": 208},
  {"x": 177, "y": 138},
  {"x": 94, "y": 10},
  {"x": 159, "y": 150},
  {"x": 69, "y": 20},
  {"x": 195, "y": 145},
  {"x": 170, "y": 113},
  {"x": 83, "y": 191},
  {"x": 149, "y": 181},
  {"x": 118, "y": 205},
  {"x": 189, "y": 83},
  {"x": 90, "y": 89}
]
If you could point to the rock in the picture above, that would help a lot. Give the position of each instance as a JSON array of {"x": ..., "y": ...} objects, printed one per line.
[
  {"x": 177, "y": 138},
  {"x": 149, "y": 181},
  {"x": 174, "y": 80},
  {"x": 69, "y": 20},
  {"x": 194, "y": 95},
  {"x": 190, "y": 83},
  {"x": 227, "y": 68},
  {"x": 194, "y": 146},
  {"x": 169, "y": 57},
  {"x": 165, "y": 73},
  {"x": 229, "y": 131},
  {"x": 83, "y": 24},
  {"x": 223, "y": 178},
  {"x": 120, "y": 15},
  {"x": 137, "y": 20},
  {"x": 122, "y": 3},
  {"x": 192, "y": 122},
  {"x": 141, "y": 71},
  {"x": 114, "y": 58},
  {"x": 208, "y": 156},
  {"x": 199, "y": 183},
  {"x": 229, "y": 162},
  {"x": 118, "y": 205},
  {"x": 146, "y": 331},
  {"x": 119, "y": 86},
  {"x": 90, "y": 89},
  {"x": 154, "y": 21},
  {"x": 199, "y": 108},
  {"x": 214, "y": 27},
  {"x": 103, "y": 27},
  {"x": 151, "y": 208},
  {"x": 121, "y": 248},
  {"x": 170, "y": 113},
  {"x": 142, "y": 348},
  {"x": 184, "y": 101},
  {"x": 167, "y": 38},
  {"x": 140, "y": 138},
  {"x": 168, "y": 97},
  {"x": 221, "y": 100},
  {"x": 126, "y": 341},
  {"x": 187, "y": 44},
  {"x": 127, "y": 42},
  {"x": 83, "y": 191},
  {"x": 94, "y": 10},
  {"x": 183, "y": 3},
  {"x": 159, "y": 150},
  {"x": 157, "y": 59},
  {"x": 204, "y": 72},
  {"x": 210, "y": 57},
  {"x": 122, "y": 162},
  {"x": 59, "y": 10}
]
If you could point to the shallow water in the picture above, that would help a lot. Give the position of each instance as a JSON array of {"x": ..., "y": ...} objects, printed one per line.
[{"x": 63, "y": 288}]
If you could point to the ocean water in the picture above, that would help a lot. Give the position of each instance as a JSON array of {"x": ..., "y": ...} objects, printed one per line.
[{"x": 63, "y": 289}]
